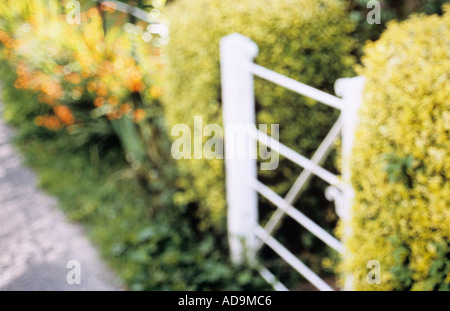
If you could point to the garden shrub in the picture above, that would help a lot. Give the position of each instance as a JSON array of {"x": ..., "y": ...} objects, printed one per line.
[
  {"x": 96, "y": 84},
  {"x": 401, "y": 167},
  {"x": 305, "y": 40}
]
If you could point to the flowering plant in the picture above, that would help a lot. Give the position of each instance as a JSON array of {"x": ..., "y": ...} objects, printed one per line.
[{"x": 91, "y": 82}]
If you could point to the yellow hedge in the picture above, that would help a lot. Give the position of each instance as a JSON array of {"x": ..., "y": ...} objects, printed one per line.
[
  {"x": 401, "y": 161},
  {"x": 307, "y": 40}
]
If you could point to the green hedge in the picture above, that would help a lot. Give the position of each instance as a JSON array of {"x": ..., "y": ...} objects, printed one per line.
[
  {"x": 305, "y": 40},
  {"x": 401, "y": 161}
]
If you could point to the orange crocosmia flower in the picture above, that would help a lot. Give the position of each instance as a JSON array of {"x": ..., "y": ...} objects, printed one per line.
[
  {"x": 85, "y": 74},
  {"x": 22, "y": 69},
  {"x": 25, "y": 82},
  {"x": 108, "y": 66},
  {"x": 4, "y": 37},
  {"x": 135, "y": 81},
  {"x": 137, "y": 86},
  {"x": 135, "y": 75},
  {"x": 73, "y": 78},
  {"x": 155, "y": 91},
  {"x": 114, "y": 115},
  {"x": 102, "y": 90},
  {"x": 92, "y": 12},
  {"x": 52, "y": 122},
  {"x": 53, "y": 89},
  {"x": 18, "y": 84},
  {"x": 113, "y": 100},
  {"x": 125, "y": 108},
  {"x": 91, "y": 86},
  {"x": 64, "y": 114},
  {"x": 139, "y": 114},
  {"x": 99, "y": 101}
]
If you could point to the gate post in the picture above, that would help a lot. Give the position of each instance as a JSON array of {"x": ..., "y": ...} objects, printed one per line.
[
  {"x": 236, "y": 54},
  {"x": 351, "y": 91}
]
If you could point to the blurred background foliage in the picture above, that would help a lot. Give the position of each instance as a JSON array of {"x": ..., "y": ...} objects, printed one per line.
[{"x": 93, "y": 104}]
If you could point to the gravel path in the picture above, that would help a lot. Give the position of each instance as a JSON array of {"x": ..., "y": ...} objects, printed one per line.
[{"x": 36, "y": 240}]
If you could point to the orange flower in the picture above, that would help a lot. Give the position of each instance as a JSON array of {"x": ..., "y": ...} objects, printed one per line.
[
  {"x": 91, "y": 86},
  {"x": 93, "y": 12},
  {"x": 22, "y": 69},
  {"x": 53, "y": 89},
  {"x": 125, "y": 108},
  {"x": 114, "y": 115},
  {"x": 139, "y": 114},
  {"x": 137, "y": 86},
  {"x": 102, "y": 90},
  {"x": 113, "y": 100},
  {"x": 64, "y": 114},
  {"x": 51, "y": 122},
  {"x": 73, "y": 78},
  {"x": 99, "y": 101},
  {"x": 18, "y": 84},
  {"x": 108, "y": 66},
  {"x": 135, "y": 79},
  {"x": 155, "y": 91},
  {"x": 6, "y": 40}
]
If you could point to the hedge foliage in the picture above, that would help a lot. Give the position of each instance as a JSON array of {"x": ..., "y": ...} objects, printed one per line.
[
  {"x": 401, "y": 161},
  {"x": 305, "y": 40}
]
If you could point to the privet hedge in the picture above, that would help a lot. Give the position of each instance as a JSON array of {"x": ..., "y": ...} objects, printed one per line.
[
  {"x": 304, "y": 39},
  {"x": 401, "y": 161}
]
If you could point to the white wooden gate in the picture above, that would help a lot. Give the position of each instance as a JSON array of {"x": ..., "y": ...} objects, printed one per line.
[{"x": 246, "y": 235}]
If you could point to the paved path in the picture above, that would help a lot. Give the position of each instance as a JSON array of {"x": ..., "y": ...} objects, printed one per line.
[{"x": 36, "y": 240}]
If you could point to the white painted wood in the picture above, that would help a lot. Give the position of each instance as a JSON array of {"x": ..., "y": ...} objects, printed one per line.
[
  {"x": 296, "y": 86},
  {"x": 236, "y": 54},
  {"x": 271, "y": 279},
  {"x": 351, "y": 91},
  {"x": 295, "y": 157},
  {"x": 293, "y": 261},
  {"x": 298, "y": 216}
]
